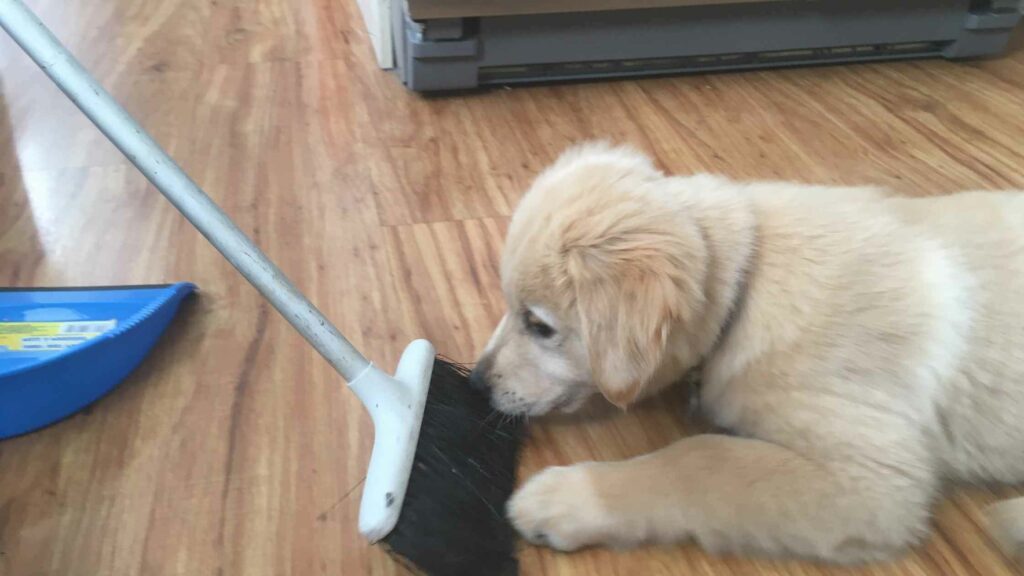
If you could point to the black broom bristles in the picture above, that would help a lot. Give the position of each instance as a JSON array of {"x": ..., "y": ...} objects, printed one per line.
[{"x": 453, "y": 519}]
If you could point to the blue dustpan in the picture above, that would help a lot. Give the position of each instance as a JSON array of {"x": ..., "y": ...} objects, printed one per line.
[{"x": 62, "y": 349}]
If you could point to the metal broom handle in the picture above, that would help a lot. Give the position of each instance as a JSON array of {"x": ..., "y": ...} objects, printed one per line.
[{"x": 61, "y": 66}]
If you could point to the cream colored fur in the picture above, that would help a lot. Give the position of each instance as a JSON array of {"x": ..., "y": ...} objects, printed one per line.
[{"x": 861, "y": 348}]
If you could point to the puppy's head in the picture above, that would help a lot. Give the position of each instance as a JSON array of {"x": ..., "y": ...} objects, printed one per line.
[{"x": 600, "y": 278}]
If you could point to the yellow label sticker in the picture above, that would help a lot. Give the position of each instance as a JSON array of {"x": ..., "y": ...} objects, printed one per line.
[{"x": 49, "y": 336}]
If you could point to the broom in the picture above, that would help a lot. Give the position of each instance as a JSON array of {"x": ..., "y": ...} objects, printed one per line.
[{"x": 441, "y": 469}]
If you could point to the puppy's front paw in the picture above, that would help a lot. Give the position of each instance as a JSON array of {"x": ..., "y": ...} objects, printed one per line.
[{"x": 560, "y": 508}]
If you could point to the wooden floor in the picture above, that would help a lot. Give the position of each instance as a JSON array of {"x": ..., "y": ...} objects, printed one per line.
[{"x": 234, "y": 449}]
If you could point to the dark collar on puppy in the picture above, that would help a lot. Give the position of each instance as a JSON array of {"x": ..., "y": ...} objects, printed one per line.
[{"x": 692, "y": 378}]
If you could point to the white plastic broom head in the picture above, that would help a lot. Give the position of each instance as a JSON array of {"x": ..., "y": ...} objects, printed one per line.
[{"x": 395, "y": 404}]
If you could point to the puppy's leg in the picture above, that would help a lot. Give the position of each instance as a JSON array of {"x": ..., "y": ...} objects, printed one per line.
[{"x": 728, "y": 494}]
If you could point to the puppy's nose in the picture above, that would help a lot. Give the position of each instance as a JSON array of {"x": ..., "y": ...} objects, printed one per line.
[
  {"x": 477, "y": 381},
  {"x": 478, "y": 377}
]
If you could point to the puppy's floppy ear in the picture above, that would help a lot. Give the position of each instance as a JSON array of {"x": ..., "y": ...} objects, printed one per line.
[{"x": 635, "y": 275}]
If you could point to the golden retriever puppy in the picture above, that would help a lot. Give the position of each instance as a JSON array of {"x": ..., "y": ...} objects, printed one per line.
[{"x": 861, "y": 349}]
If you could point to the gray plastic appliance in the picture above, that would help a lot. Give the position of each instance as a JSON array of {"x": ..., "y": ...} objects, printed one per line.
[{"x": 461, "y": 44}]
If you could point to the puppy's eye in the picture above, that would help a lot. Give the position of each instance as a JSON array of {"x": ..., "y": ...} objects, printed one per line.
[{"x": 536, "y": 326}]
